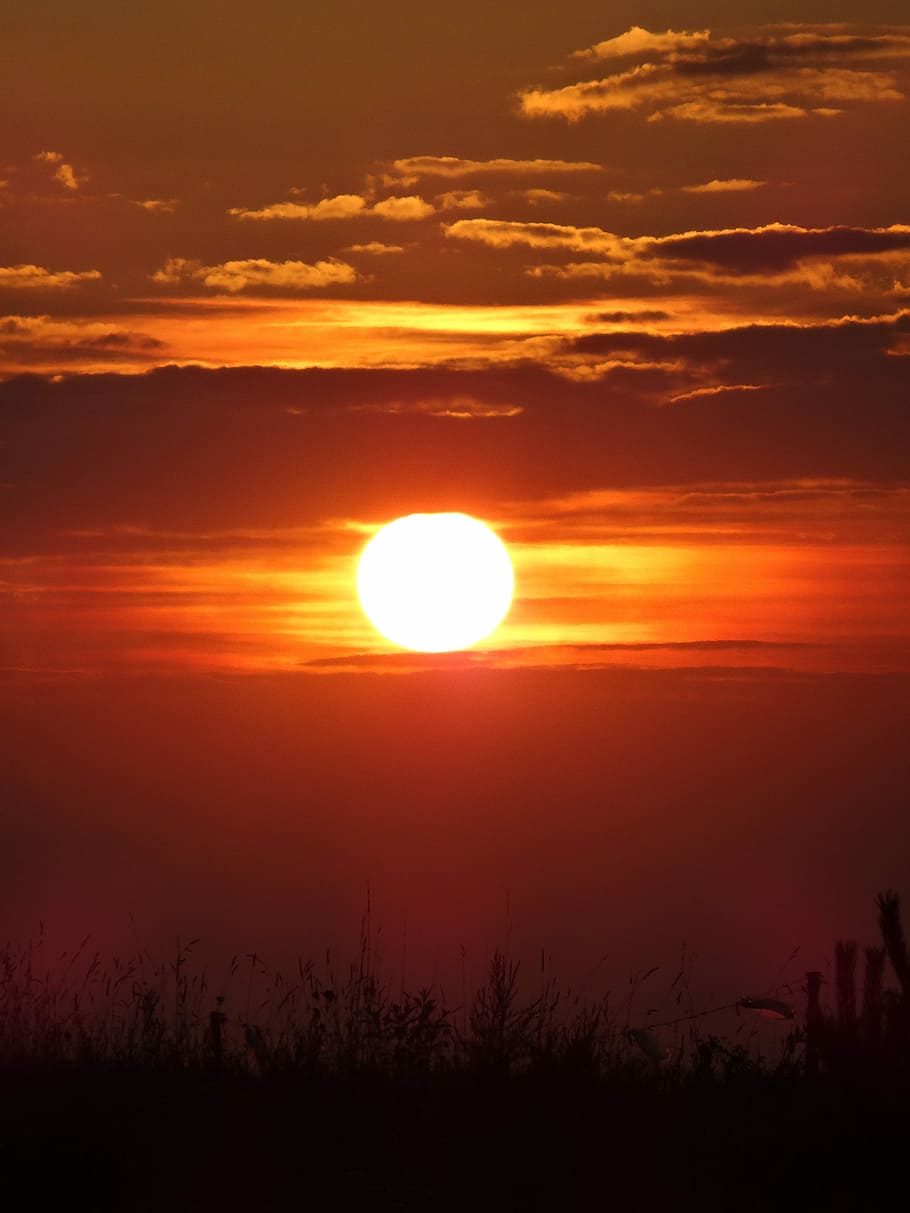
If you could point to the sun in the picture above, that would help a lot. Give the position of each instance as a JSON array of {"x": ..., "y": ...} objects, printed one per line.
[{"x": 435, "y": 582}]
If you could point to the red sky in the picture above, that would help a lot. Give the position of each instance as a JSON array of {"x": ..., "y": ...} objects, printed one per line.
[{"x": 632, "y": 286}]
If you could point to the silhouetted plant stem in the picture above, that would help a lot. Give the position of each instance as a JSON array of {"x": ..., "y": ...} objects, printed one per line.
[
  {"x": 872, "y": 997},
  {"x": 889, "y": 920},
  {"x": 813, "y": 1021},
  {"x": 845, "y": 976}
]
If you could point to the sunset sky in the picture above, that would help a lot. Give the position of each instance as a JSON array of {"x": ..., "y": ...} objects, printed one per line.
[{"x": 629, "y": 282}]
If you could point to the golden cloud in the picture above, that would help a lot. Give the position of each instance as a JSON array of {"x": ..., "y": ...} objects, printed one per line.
[
  {"x": 726, "y": 186},
  {"x": 537, "y": 197},
  {"x": 409, "y": 169},
  {"x": 36, "y": 277},
  {"x": 402, "y": 209},
  {"x": 45, "y": 343},
  {"x": 502, "y": 233},
  {"x": 462, "y": 408},
  {"x": 236, "y": 276},
  {"x": 375, "y": 248},
  {"x": 841, "y": 258},
  {"x": 759, "y": 77},
  {"x": 633, "y": 196},
  {"x": 718, "y": 111},
  {"x": 156, "y": 206},
  {"x": 638, "y": 41},
  {"x": 341, "y": 206},
  {"x": 64, "y": 173},
  {"x": 463, "y": 200}
]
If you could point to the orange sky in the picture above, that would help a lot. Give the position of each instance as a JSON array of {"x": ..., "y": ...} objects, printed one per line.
[
  {"x": 819, "y": 579},
  {"x": 633, "y": 286}
]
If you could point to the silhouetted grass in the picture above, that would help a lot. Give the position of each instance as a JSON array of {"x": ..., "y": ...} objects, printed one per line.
[
  {"x": 140, "y": 1015},
  {"x": 136, "y": 1085}
]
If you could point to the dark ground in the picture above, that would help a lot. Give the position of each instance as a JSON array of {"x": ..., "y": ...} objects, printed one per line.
[{"x": 99, "y": 1139}]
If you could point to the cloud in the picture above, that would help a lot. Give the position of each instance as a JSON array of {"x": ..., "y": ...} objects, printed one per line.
[
  {"x": 375, "y": 248},
  {"x": 638, "y": 41},
  {"x": 30, "y": 342},
  {"x": 827, "y": 362},
  {"x": 402, "y": 209},
  {"x": 538, "y": 197},
  {"x": 64, "y": 173},
  {"x": 36, "y": 277},
  {"x": 463, "y": 200},
  {"x": 462, "y": 408},
  {"x": 725, "y": 186},
  {"x": 339, "y": 207},
  {"x": 843, "y": 415},
  {"x": 503, "y": 233},
  {"x": 156, "y": 206},
  {"x": 716, "y": 389},
  {"x": 776, "y": 246},
  {"x": 321, "y": 327},
  {"x": 643, "y": 316},
  {"x": 834, "y": 510},
  {"x": 410, "y": 169},
  {"x": 716, "y": 111},
  {"x": 236, "y": 276},
  {"x": 756, "y": 77},
  {"x": 633, "y": 196},
  {"x": 574, "y": 270},
  {"x": 836, "y": 257}
]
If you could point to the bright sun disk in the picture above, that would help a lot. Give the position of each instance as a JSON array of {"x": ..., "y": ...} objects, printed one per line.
[{"x": 435, "y": 582}]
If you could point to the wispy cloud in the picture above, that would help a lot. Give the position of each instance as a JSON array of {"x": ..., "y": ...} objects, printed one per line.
[
  {"x": 257, "y": 327},
  {"x": 375, "y": 248},
  {"x": 634, "y": 195},
  {"x": 639, "y": 41},
  {"x": 410, "y": 169},
  {"x": 540, "y": 197},
  {"x": 772, "y": 74},
  {"x": 63, "y": 172},
  {"x": 255, "y": 273},
  {"x": 340, "y": 206},
  {"x": 463, "y": 200},
  {"x": 36, "y": 277},
  {"x": 460, "y": 407},
  {"x": 156, "y": 206},
  {"x": 839, "y": 256},
  {"x": 729, "y": 185},
  {"x": 503, "y": 233},
  {"x": 637, "y": 575},
  {"x": 40, "y": 342},
  {"x": 827, "y": 359},
  {"x": 776, "y": 246}
]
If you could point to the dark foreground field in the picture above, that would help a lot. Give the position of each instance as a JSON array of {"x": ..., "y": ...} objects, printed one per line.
[
  {"x": 95, "y": 1138},
  {"x": 131, "y": 1087}
]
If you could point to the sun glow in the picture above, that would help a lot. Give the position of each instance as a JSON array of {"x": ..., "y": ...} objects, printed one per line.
[{"x": 435, "y": 582}]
